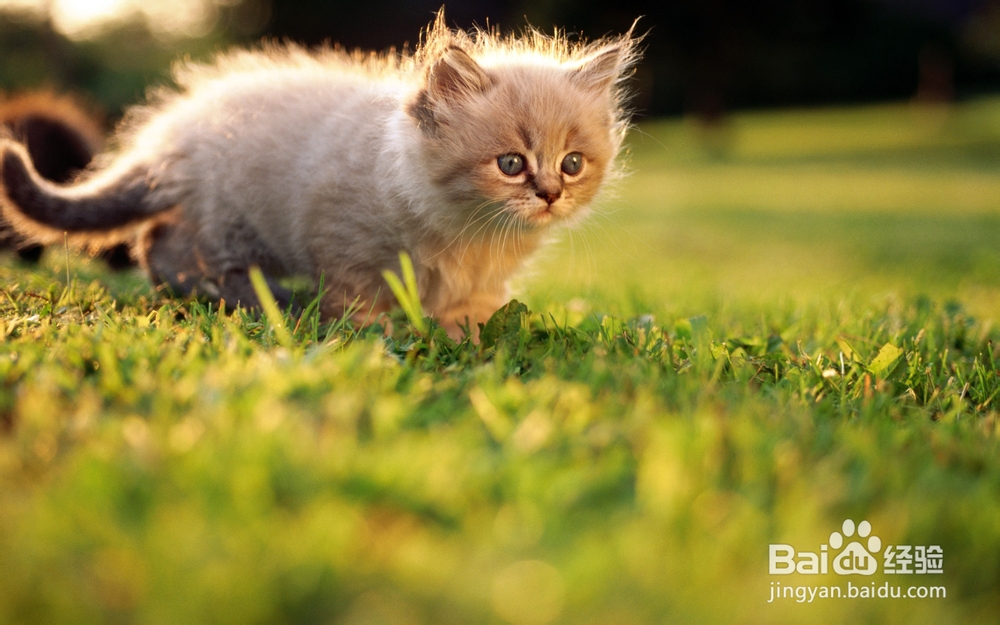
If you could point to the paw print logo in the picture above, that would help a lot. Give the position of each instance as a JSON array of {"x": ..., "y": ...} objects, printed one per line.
[{"x": 855, "y": 559}]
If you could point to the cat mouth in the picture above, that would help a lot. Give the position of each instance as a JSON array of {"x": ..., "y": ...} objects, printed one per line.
[
  {"x": 544, "y": 216},
  {"x": 534, "y": 216}
]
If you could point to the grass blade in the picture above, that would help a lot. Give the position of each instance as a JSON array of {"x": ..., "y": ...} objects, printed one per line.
[
  {"x": 406, "y": 292},
  {"x": 270, "y": 307}
]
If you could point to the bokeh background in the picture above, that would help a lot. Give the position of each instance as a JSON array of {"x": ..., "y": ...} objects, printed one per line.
[
  {"x": 805, "y": 176},
  {"x": 703, "y": 57}
]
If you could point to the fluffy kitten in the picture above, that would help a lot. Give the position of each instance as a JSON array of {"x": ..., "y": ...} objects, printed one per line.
[{"x": 325, "y": 163}]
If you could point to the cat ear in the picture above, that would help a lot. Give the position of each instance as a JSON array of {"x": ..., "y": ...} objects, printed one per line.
[
  {"x": 456, "y": 76},
  {"x": 600, "y": 71}
]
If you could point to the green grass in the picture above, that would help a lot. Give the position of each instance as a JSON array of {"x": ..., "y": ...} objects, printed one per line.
[{"x": 772, "y": 328}]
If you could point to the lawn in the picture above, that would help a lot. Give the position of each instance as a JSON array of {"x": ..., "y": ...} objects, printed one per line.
[{"x": 771, "y": 327}]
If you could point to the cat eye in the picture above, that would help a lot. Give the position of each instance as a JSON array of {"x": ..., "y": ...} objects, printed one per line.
[
  {"x": 572, "y": 163},
  {"x": 511, "y": 164}
]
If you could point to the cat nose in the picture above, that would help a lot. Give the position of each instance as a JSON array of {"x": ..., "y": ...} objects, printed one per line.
[{"x": 549, "y": 195}]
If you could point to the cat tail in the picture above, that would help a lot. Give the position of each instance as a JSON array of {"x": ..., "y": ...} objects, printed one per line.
[
  {"x": 61, "y": 133},
  {"x": 98, "y": 211}
]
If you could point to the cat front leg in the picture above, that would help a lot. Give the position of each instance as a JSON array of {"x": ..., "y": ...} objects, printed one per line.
[
  {"x": 236, "y": 289},
  {"x": 171, "y": 256},
  {"x": 469, "y": 314},
  {"x": 166, "y": 253},
  {"x": 364, "y": 303}
]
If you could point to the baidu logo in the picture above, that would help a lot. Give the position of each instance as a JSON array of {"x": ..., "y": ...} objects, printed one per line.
[
  {"x": 856, "y": 559},
  {"x": 854, "y": 550}
]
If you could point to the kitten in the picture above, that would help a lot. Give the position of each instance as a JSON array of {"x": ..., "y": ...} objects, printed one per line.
[
  {"x": 61, "y": 137},
  {"x": 464, "y": 155}
]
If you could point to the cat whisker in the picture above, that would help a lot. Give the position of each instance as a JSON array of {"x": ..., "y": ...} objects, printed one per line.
[
  {"x": 508, "y": 233},
  {"x": 508, "y": 229},
  {"x": 501, "y": 236},
  {"x": 605, "y": 222},
  {"x": 473, "y": 218},
  {"x": 589, "y": 257},
  {"x": 515, "y": 225},
  {"x": 639, "y": 131},
  {"x": 489, "y": 218},
  {"x": 572, "y": 250},
  {"x": 493, "y": 236}
]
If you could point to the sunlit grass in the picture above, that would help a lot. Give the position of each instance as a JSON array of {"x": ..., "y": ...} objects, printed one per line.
[
  {"x": 701, "y": 376},
  {"x": 797, "y": 204}
]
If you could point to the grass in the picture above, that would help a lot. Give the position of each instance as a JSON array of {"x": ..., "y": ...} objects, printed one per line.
[{"x": 774, "y": 327}]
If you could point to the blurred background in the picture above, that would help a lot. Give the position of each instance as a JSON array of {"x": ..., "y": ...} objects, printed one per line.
[
  {"x": 819, "y": 170},
  {"x": 785, "y": 149},
  {"x": 703, "y": 57}
]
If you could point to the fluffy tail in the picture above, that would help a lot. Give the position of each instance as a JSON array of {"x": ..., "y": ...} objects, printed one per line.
[
  {"x": 90, "y": 211},
  {"x": 61, "y": 134}
]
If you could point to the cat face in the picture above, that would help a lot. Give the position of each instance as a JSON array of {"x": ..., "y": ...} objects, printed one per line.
[
  {"x": 544, "y": 152},
  {"x": 519, "y": 144}
]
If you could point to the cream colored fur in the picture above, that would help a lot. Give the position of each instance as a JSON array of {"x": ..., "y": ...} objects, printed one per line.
[{"x": 328, "y": 163}]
